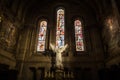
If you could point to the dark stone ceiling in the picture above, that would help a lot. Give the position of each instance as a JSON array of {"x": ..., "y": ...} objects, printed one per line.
[{"x": 31, "y": 9}]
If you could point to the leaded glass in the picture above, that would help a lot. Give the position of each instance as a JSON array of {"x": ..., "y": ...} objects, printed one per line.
[
  {"x": 42, "y": 36},
  {"x": 60, "y": 29},
  {"x": 79, "y": 36}
]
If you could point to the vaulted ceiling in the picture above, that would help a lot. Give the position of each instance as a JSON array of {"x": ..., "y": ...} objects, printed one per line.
[{"x": 31, "y": 9}]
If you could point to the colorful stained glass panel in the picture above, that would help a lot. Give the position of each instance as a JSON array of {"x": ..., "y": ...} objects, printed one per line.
[
  {"x": 60, "y": 29},
  {"x": 78, "y": 36},
  {"x": 42, "y": 36}
]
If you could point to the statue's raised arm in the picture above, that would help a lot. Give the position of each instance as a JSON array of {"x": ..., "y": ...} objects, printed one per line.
[
  {"x": 52, "y": 47},
  {"x": 63, "y": 48}
]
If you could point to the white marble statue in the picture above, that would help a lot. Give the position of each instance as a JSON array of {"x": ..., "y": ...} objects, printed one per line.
[{"x": 58, "y": 52}]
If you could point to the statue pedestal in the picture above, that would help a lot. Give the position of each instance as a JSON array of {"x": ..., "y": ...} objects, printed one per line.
[{"x": 59, "y": 74}]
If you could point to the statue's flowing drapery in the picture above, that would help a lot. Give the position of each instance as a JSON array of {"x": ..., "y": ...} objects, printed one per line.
[{"x": 58, "y": 52}]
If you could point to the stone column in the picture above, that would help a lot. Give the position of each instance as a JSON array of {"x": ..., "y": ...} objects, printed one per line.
[
  {"x": 34, "y": 72},
  {"x": 59, "y": 75}
]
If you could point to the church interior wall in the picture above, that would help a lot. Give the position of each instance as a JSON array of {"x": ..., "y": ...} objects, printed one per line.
[{"x": 18, "y": 39}]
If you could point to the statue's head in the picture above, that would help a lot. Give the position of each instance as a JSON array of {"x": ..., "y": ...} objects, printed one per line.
[{"x": 59, "y": 49}]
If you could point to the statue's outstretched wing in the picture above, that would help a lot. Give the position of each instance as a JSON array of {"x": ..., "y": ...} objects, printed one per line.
[
  {"x": 63, "y": 48},
  {"x": 52, "y": 47}
]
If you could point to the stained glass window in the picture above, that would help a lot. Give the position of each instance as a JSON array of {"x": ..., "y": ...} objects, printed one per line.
[
  {"x": 60, "y": 29},
  {"x": 78, "y": 36},
  {"x": 42, "y": 36}
]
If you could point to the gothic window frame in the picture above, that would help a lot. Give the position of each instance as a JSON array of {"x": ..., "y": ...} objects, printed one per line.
[
  {"x": 65, "y": 53},
  {"x": 58, "y": 8},
  {"x": 38, "y": 31},
  {"x": 83, "y": 34}
]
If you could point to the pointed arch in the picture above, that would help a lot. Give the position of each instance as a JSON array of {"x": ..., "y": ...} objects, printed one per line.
[
  {"x": 60, "y": 28},
  {"x": 42, "y": 36},
  {"x": 79, "y": 35}
]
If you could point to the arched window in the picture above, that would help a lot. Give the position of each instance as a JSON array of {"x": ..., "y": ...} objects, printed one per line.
[
  {"x": 42, "y": 36},
  {"x": 60, "y": 28},
  {"x": 79, "y": 35}
]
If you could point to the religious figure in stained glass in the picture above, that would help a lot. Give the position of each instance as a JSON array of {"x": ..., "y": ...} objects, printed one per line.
[
  {"x": 78, "y": 36},
  {"x": 60, "y": 28},
  {"x": 42, "y": 36}
]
